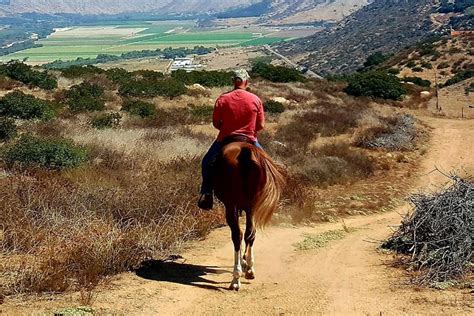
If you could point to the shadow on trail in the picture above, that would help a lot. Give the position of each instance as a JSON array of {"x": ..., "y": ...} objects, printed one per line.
[{"x": 182, "y": 273}]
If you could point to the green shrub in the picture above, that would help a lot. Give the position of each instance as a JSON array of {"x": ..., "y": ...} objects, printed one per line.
[
  {"x": 24, "y": 106},
  {"x": 85, "y": 97},
  {"x": 205, "y": 78},
  {"x": 375, "y": 59},
  {"x": 277, "y": 73},
  {"x": 118, "y": 75},
  {"x": 106, "y": 120},
  {"x": 81, "y": 71},
  {"x": 418, "y": 81},
  {"x": 274, "y": 107},
  {"x": 50, "y": 153},
  {"x": 393, "y": 71},
  {"x": 8, "y": 129},
  {"x": 145, "y": 74},
  {"x": 411, "y": 64},
  {"x": 24, "y": 73},
  {"x": 375, "y": 84},
  {"x": 443, "y": 65},
  {"x": 140, "y": 108},
  {"x": 168, "y": 87},
  {"x": 460, "y": 76},
  {"x": 426, "y": 65},
  {"x": 417, "y": 69}
]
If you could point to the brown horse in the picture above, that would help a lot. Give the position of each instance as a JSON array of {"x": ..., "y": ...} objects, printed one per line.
[{"x": 246, "y": 179}]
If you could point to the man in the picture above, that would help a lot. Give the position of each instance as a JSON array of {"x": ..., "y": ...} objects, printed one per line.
[{"x": 236, "y": 113}]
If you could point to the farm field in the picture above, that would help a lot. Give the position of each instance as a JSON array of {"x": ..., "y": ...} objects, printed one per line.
[{"x": 90, "y": 41}]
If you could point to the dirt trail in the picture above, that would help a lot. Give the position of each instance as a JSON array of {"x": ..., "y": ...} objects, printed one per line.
[{"x": 348, "y": 276}]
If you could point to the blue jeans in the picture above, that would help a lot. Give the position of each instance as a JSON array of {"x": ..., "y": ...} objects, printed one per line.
[{"x": 208, "y": 166}]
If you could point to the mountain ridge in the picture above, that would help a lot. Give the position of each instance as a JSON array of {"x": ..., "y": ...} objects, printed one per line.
[
  {"x": 119, "y": 6},
  {"x": 382, "y": 26}
]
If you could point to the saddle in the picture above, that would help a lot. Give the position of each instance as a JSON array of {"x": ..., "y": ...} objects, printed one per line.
[{"x": 237, "y": 139}]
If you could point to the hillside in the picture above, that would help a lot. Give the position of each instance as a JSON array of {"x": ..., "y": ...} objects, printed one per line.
[
  {"x": 384, "y": 25},
  {"x": 118, "y": 6},
  {"x": 303, "y": 11},
  {"x": 297, "y": 11}
]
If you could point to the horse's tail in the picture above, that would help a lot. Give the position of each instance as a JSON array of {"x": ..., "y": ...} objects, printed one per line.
[{"x": 271, "y": 187}]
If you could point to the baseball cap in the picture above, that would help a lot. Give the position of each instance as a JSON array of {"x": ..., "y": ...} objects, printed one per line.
[{"x": 241, "y": 74}]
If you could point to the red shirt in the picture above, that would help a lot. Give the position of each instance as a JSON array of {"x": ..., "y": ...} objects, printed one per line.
[{"x": 238, "y": 112}]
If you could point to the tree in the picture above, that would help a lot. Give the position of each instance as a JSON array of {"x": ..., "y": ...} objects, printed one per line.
[
  {"x": 375, "y": 84},
  {"x": 375, "y": 59}
]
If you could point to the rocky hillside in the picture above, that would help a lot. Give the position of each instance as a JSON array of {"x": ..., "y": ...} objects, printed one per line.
[
  {"x": 384, "y": 25},
  {"x": 302, "y": 11},
  {"x": 297, "y": 11},
  {"x": 118, "y": 6}
]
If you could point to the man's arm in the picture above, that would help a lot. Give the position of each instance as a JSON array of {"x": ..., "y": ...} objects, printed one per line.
[
  {"x": 260, "y": 116},
  {"x": 216, "y": 115}
]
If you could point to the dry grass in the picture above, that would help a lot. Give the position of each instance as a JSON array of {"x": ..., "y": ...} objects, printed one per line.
[
  {"x": 67, "y": 231},
  {"x": 136, "y": 198}
]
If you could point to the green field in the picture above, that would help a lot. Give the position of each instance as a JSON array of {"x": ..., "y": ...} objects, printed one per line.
[{"x": 89, "y": 41}]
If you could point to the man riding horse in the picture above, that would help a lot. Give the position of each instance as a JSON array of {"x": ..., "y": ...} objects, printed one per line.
[{"x": 238, "y": 114}]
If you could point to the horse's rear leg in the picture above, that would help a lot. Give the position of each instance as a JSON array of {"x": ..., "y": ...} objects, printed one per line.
[
  {"x": 249, "y": 255},
  {"x": 232, "y": 218}
]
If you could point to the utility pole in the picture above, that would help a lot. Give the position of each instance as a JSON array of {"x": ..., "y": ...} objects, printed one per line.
[{"x": 437, "y": 90}]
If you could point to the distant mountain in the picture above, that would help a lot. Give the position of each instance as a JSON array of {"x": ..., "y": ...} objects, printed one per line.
[
  {"x": 383, "y": 26},
  {"x": 119, "y": 6},
  {"x": 297, "y": 11},
  {"x": 278, "y": 11}
]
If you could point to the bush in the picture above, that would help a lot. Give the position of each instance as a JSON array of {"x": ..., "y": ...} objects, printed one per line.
[
  {"x": 24, "y": 106},
  {"x": 417, "y": 69},
  {"x": 393, "y": 134},
  {"x": 24, "y": 73},
  {"x": 418, "y": 81},
  {"x": 106, "y": 120},
  {"x": 118, "y": 75},
  {"x": 81, "y": 71},
  {"x": 145, "y": 74},
  {"x": 168, "y": 87},
  {"x": 274, "y": 107},
  {"x": 277, "y": 73},
  {"x": 50, "y": 153},
  {"x": 443, "y": 65},
  {"x": 375, "y": 59},
  {"x": 140, "y": 108},
  {"x": 393, "y": 71},
  {"x": 426, "y": 65},
  {"x": 375, "y": 84},
  {"x": 85, "y": 97},
  {"x": 411, "y": 64},
  {"x": 460, "y": 76},
  {"x": 8, "y": 129}
]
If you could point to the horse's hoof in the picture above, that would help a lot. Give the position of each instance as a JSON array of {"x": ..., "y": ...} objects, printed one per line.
[
  {"x": 234, "y": 287},
  {"x": 250, "y": 275}
]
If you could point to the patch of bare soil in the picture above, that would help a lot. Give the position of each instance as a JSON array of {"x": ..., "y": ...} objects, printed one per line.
[
  {"x": 347, "y": 276},
  {"x": 230, "y": 58}
]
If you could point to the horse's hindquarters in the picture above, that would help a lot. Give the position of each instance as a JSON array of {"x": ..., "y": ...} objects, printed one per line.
[{"x": 238, "y": 176}]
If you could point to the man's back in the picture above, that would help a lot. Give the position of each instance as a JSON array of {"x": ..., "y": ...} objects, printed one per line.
[{"x": 238, "y": 112}]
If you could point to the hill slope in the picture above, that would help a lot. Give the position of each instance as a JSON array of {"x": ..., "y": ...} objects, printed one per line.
[
  {"x": 384, "y": 25},
  {"x": 300, "y": 11}
]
